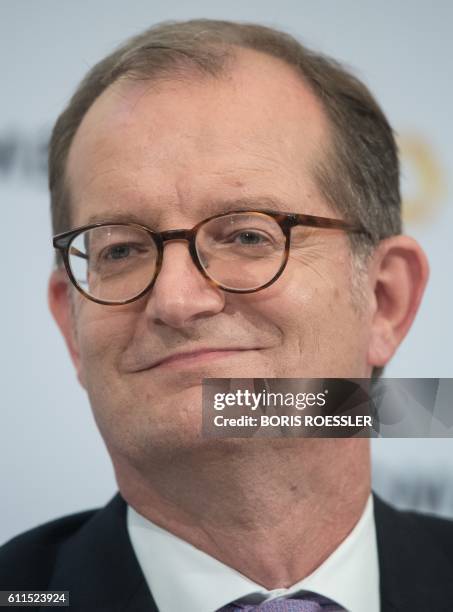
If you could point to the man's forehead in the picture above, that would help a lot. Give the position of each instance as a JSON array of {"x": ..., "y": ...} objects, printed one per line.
[{"x": 258, "y": 122}]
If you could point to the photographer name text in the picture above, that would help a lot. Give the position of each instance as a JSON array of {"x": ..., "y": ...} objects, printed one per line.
[{"x": 297, "y": 420}]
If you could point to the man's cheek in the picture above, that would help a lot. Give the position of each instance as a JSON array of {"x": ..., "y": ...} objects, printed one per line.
[
  {"x": 101, "y": 337},
  {"x": 81, "y": 376}
]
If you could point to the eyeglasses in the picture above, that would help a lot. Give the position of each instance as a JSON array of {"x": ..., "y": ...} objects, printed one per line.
[{"x": 240, "y": 251}]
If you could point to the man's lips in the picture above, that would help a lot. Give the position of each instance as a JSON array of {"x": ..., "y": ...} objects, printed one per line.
[{"x": 188, "y": 358}]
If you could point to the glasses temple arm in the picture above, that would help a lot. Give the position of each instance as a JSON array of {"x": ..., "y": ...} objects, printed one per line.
[{"x": 74, "y": 251}]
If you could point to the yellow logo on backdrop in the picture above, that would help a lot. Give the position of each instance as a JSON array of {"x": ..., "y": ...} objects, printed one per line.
[{"x": 423, "y": 179}]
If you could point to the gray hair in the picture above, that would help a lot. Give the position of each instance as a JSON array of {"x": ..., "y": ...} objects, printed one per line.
[{"x": 359, "y": 175}]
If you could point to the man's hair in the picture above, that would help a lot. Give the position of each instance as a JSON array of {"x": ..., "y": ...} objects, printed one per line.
[{"x": 359, "y": 172}]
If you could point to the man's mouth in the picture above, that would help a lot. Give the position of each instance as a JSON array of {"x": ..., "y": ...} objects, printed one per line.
[{"x": 197, "y": 357}]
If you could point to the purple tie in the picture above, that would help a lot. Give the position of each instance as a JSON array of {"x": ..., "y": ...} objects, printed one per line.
[{"x": 310, "y": 603}]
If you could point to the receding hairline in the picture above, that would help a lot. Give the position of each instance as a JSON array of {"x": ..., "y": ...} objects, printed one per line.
[
  {"x": 360, "y": 173},
  {"x": 239, "y": 60}
]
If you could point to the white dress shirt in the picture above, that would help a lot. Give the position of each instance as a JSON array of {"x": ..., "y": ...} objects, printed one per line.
[{"x": 182, "y": 577}]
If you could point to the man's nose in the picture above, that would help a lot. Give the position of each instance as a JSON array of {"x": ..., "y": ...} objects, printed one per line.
[{"x": 181, "y": 293}]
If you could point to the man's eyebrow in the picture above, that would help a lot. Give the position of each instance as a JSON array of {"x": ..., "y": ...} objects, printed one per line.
[
  {"x": 250, "y": 202},
  {"x": 210, "y": 208},
  {"x": 117, "y": 216}
]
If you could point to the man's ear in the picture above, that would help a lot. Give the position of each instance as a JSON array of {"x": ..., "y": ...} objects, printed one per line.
[
  {"x": 62, "y": 308},
  {"x": 399, "y": 273}
]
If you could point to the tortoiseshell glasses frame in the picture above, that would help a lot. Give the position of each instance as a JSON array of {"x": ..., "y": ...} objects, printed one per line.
[{"x": 286, "y": 221}]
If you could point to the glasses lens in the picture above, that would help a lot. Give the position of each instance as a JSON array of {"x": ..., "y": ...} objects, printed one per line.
[
  {"x": 113, "y": 263},
  {"x": 241, "y": 251}
]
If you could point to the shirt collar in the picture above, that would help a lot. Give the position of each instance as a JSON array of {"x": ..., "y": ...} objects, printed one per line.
[{"x": 182, "y": 577}]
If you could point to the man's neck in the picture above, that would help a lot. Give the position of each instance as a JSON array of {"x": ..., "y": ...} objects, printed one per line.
[{"x": 274, "y": 510}]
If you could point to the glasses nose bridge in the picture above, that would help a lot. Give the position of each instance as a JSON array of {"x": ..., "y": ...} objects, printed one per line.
[
  {"x": 186, "y": 235},
  {"x": 176, "y": 234}
]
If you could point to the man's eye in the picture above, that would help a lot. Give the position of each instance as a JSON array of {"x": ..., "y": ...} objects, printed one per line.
[
  {"x": 249, "y": 237},
  {"x": 119, "y": 251}
]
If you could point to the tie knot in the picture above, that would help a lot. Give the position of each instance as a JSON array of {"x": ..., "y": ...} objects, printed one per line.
[{"x": 310, "y": 603}]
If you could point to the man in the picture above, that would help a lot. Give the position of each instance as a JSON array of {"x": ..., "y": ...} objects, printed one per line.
[{"x": 185, "y": 123}]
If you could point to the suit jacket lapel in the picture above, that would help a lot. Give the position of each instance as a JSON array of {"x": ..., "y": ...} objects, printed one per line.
[
  {"x": 415, "y": 573},
  {"x": 98, "y": 566}
]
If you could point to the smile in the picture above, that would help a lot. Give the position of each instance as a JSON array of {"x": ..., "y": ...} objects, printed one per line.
[{"x": 196, "y": 357}]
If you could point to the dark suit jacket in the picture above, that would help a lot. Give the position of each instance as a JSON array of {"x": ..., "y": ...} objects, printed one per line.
[{"x": 90, "y": 555}]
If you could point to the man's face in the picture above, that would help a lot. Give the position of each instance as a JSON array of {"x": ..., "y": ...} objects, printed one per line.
[{"x": 170, "y": 155}]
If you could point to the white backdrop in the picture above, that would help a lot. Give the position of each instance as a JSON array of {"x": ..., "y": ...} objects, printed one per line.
[{"x": 53, "y": 460}]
